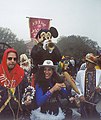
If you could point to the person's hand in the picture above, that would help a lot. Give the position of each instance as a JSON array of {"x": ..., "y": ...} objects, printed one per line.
[
  {"x": 77, "y": 101},
  {"x": 28, "y": 100},
  {"x": 82, "y": 99},
  {"x": 57, "y": 87},
  {"x": 97, "y": 89},
  {"x": 3, "y": 78},
  {"x": 45, "y": 44},
  {"x": 0, "y": 98},
  {"x": 72, "y": 99}
]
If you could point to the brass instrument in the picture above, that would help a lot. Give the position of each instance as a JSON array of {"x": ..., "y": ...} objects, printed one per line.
[
  {"x": 71, "y": 81},
  {"x": 50, "y": 45}
]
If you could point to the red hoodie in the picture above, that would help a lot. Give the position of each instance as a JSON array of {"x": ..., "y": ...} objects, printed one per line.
[{"x": 14, "y": 77}]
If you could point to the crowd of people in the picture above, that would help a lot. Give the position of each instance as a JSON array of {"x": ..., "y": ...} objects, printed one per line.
[{"x": 39, "y": 89}]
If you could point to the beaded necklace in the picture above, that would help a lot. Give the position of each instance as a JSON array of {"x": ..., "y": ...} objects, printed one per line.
[{"x": 90, "y": 83}]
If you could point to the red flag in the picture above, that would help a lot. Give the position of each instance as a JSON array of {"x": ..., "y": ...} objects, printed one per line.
[{"x": 37, "y": 24}]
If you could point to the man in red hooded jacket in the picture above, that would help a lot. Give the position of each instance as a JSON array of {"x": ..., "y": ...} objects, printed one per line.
[{"x": 12, "y": 86}]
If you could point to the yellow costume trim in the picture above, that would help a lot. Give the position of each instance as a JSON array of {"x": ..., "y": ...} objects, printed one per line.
[
  {"x": 11, "y": 92},
  {"x": 70, "y": 80},
  {"x": 5, "y": 104}
]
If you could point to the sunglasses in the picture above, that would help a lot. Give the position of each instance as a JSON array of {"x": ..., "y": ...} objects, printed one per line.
[{"x": 10, "y": 58}]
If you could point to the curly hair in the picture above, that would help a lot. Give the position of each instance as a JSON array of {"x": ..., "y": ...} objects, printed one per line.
[{"x": 41, "y": 80}]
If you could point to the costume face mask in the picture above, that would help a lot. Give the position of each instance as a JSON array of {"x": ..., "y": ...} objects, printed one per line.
[{"x": 46, "y": 34}]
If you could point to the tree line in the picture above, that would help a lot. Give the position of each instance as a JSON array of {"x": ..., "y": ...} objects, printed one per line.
[{"x": 76, "y": 46}]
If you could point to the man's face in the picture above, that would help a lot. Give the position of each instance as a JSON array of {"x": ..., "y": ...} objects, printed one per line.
[
  {"x": 11, "y": 60},
  {"x": 90, "y": 65}
]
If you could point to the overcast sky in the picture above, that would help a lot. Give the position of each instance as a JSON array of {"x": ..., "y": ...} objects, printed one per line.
[{"x": 70, "y": 17}]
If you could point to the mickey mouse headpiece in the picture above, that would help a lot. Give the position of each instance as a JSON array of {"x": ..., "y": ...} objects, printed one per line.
[{"x": 46, "y": 34}]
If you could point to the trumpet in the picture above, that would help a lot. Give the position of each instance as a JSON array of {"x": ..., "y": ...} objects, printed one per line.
[{"x": 50, "y": 45}]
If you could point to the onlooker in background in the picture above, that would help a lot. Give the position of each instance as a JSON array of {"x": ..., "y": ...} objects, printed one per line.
[
  {"x": 72, "y": 67},
  {"x": 25, "y": 63}
]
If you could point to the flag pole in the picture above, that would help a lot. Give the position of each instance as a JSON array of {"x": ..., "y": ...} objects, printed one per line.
[{"x": 38, "y": 18}]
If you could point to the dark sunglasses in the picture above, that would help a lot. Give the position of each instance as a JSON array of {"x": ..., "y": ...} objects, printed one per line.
[{"x": 10, "y": 58}]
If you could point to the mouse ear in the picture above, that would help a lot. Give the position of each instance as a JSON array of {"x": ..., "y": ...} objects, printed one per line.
[
  {"x": 54, "y": 32},
  {"x": 38, "y": 34}
]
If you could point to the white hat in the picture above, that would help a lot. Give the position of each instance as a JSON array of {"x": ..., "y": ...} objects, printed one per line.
[
  {"x": 91, "y": 58},
  {"x": 47, "y": 63}
]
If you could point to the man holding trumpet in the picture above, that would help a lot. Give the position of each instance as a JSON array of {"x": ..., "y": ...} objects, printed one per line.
[{"x": 45, "y": 49}]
